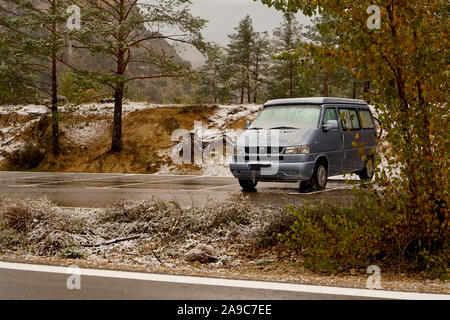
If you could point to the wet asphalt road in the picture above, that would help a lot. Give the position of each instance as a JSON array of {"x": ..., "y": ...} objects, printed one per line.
[{"x": 95, "y": 190}]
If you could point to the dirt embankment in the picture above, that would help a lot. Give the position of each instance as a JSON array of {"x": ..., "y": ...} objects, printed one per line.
[{"x": 86, "y": 138}]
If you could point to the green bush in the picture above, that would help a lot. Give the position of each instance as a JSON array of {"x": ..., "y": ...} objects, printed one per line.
[
  {"x": 334, "y": 238},
  {"x": 71, "y": 253}
]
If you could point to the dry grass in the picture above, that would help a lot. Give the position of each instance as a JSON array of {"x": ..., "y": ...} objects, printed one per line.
[
  {"x": 37, "y": 225},
  {"x": 234, "y": 219},
  {"x": 41, "y": 228}
]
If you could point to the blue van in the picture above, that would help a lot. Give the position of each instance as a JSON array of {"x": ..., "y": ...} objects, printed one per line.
[{"x": 306, "y": 140}]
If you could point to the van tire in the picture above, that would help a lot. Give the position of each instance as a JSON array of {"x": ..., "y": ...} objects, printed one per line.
[
  {"x": 318, "y": 181},
  {"x": 367, "y": 173},
  {"x": 248, "y": 185},
  {"x": 320, "y": 176}
]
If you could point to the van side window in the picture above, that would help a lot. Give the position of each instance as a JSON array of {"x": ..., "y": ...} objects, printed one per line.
[
  {"x": 330, "y": 114},
  {"x": 366, "y": 119},
  {"x": 349, "y": 119}
]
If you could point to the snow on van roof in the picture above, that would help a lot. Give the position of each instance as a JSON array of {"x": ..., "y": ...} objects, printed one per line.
[{"x": 315, "y": 100}]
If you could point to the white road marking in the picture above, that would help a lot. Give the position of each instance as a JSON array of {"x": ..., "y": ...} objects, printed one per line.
[
  {"x": 322, "y": 191},
  {"x": 218, "y": 187},
  {"x": 28, "y": 177},
  {"x": 152, "y": 182},
  {"x": 265, "y": 285},
  {"x": 64, "y": 181}
]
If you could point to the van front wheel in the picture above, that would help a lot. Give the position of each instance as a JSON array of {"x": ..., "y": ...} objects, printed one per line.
[
  {"x": 320, "y": 177},
  {"x": 317, "y": 182},
  {"x": 248, "y": 185}
]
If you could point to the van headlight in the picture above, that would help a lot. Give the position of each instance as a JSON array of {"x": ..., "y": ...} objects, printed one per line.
[
  {"x": 239, "y": 150},
  {"x": 297, "y": 150}
]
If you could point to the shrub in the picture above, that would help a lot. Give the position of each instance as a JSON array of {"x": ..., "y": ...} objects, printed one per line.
[
  {"x": 71, "y": 253},
  {"x": 335, "y": 238},
  {"x": 235, "y": 217},
  {"x": 38, "y": 225}
]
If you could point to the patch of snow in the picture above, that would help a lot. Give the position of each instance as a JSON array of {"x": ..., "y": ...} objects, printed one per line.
[
  {"x": 166, "y": 169},
  {"x": 87, "y": 133},
  {"x": 30, "y": 109},
  {"x": 217, "y": 129}
]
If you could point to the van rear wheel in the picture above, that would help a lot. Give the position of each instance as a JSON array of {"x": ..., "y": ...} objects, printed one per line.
[
  {"x": 367, "y": 172},
  {"x": 248, "y": 185}
]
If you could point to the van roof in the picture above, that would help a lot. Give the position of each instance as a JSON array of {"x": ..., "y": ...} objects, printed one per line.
[{"x": 314, "y": 100}]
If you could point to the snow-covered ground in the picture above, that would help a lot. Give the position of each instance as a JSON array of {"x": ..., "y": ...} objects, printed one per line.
[
  {"x": 85, "y": 134},
  {"x": 9, "y": 137}
]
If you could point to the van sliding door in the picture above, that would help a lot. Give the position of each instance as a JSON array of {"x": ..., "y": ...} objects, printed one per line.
[
  {"x": 352, "y": 139},
  {"x": 330, "y": 142}
]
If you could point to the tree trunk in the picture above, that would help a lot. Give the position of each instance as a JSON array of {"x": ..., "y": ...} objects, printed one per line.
[
  {"x": 214, "y": 88},
  {"x": 255, "y": 93},
  {"x": 354, "y": 90},
  {"x": 291, "y": 79},
  {"x": 367, "y": 91},
  {"x": 116, "y": 145},
  {"x": 242, "y": 91},
  {"x": 55, "y": 114},
  {"x": 116, "y": 141},
  {"x": 325, "y": 92},
  {"x": 249, "y": 98}
]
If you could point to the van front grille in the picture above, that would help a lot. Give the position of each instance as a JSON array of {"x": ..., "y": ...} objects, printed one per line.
[{"x": 263, "y": 150}]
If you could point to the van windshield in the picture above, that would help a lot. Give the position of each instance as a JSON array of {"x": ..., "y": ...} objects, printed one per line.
[{"x": 288, "y": 117}]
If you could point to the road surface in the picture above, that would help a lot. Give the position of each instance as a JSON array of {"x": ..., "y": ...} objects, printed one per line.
[
  {"x": 29, "y": 281},
  {"x": 94, "y": 190}
]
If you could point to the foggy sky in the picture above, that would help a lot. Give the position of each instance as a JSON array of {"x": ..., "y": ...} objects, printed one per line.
[{"x": 224, "y": 16}]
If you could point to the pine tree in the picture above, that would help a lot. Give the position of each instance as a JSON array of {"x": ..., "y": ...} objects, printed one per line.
[
  {"x": 261, "y": 59},
  {"x": 36, "y": 30},
  {"x": 287, "y": 38},
  {"x": 321, "y": 49},
  {"x": 239, "y": 53},
  {"x": 210, "y": 78},
  {"x": 122, "y": 32},
  {"x": 17, "y": 85}
]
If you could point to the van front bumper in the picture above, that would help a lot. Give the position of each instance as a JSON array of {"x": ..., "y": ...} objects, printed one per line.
[{"x": 281, "y": 172}]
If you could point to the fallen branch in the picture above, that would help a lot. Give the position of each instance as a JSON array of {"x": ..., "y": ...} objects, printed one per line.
[{"x": 111, "y": 242}]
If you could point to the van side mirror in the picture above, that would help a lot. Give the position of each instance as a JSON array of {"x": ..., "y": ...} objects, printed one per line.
[
  {"x": 331, "y": 125},
  {"x": 247, "y": 124}
]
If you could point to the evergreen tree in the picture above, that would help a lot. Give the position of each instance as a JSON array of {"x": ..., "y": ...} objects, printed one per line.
[
  {"x": 36, "y": 30},
  {"x": 122, "y": 32},
  {"x": 239, "y": 53},
  {"x": 210, "y": 77},
  {"x": 321, "y": 49},
  {"x": 261, "y": 59},
  {"x": 287, "y": 39},
  {"x": 17, "y": 85}
]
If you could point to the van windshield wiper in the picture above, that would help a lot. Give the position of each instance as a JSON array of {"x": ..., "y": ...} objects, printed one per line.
[
  {"x": 283, "y": 127},
  {"x": 255, "y": 128}
]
